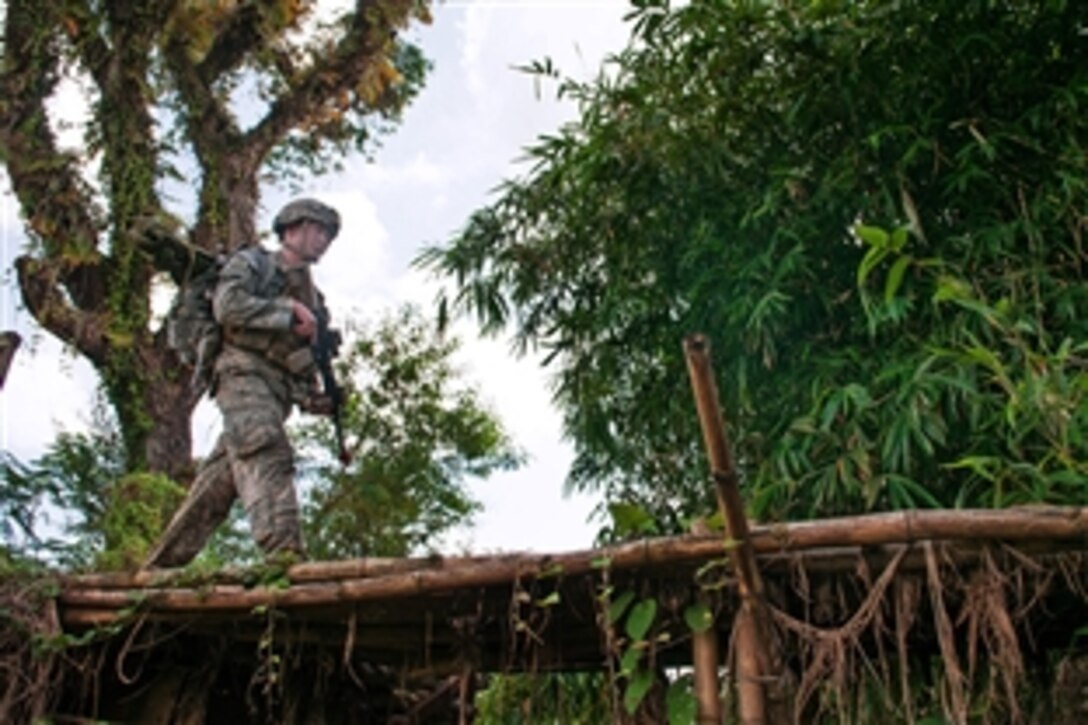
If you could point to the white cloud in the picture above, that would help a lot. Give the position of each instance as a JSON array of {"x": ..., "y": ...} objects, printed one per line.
[
  {"x": 46, "y": 391},
  {"x": 474, "y": 27},
  {"x": 420, "y": 170}
]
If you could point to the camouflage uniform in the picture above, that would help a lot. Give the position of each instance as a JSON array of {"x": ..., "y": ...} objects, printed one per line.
[{"x": 261, "y": 371}]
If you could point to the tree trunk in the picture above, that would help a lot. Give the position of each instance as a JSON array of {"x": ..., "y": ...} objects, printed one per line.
[{"x": 169, "y": 441}]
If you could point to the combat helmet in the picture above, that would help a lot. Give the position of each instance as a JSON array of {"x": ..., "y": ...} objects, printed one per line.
[{"x": 301, "y": 210}]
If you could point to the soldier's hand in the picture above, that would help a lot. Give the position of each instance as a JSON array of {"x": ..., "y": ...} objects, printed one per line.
[{"x": 304, "y": 324}]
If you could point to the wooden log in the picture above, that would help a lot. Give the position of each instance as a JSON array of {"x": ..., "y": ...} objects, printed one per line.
[
  {"x": 1066, "y": 527},
  {"x": 1053, "y": 529},
  {"x": 229, "y": 599}
]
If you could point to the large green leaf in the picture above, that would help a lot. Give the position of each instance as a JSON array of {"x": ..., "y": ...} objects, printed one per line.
[
  {"x": 641, "y": 619},
  {"x": 637, "y": 687}
]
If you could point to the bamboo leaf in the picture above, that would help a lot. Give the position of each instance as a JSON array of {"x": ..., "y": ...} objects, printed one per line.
[
  {"x": 895, "y": 276},
  {"x": 898, "y": 239},
  {"x": 873, "y": 236},
  {"x": 869, "y": 262}
]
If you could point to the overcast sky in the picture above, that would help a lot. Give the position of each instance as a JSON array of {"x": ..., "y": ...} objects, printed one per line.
[{"x": 460, "y": 138}]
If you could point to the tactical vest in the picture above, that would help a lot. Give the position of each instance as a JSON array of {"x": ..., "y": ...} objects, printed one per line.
[{"x": 281, "y": 347}]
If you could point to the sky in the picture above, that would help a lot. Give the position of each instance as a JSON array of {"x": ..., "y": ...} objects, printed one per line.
[{"x": 458, "y": 141}]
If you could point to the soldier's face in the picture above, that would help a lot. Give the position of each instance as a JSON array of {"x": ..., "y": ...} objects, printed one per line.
[{"x": 313, "y": 241}]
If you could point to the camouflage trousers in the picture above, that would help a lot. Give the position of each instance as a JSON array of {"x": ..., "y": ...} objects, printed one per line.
[{"x": 251, "y": 461}]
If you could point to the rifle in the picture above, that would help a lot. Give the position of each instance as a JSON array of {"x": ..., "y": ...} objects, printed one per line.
[{"x": 325, "y": 347}]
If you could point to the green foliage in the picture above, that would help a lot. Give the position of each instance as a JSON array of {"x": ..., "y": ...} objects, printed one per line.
[
  {"x": 571, "y": 697},
  {"x": 634, "y": 644},
  {"x": 230, "y": 545},
  {"x": 417, "y": 437},
  {"x": 138, "y": 507},
  {"x": 76, "y": 507},
  {"x": 55, "y": 506},
  {"x": 680, "y": 704},
  {"x": 356, "y": 128},
  {"x": 875, "y": 212},
  {"x": 629, "y": 521},
  {"x": 698, "y": 617}
]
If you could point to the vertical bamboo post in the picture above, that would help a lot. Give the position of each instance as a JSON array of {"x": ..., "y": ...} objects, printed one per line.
[
  {"x": 752, "y": 644},
  {"x": 704, "y": 660},
  {"x": 751, "y": 697}
]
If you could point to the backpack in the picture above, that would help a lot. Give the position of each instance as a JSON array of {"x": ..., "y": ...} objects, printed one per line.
[{"x": 191, "y": 329}]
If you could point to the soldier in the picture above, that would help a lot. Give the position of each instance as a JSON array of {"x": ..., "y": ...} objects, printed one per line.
[{"x": 265, "y": 302}]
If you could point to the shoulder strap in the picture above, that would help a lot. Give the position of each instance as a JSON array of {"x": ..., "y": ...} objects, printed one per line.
[{"x": 261, "y": 261}]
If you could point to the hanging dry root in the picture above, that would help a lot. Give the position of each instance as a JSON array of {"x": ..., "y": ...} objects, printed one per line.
[
  {"x": 989, "y": 625},
  {"x": 908, "y": 596},
  {"x": 30, "y": 644},
  {"x": 975, "y": 616},
  {"x": 828, "y": 652},
  {"x": 953, "y": 694}
]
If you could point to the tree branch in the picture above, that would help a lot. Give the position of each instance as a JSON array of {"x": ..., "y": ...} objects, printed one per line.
[
  {"x": 372, "y": 26},
  {"x": 240, "y": 36},
  {"x": 55, "y": 202},
  {"x": 76, "y": 19},
  {"x": 215, "y": 137},
  {"x": 38, "y": 283}
]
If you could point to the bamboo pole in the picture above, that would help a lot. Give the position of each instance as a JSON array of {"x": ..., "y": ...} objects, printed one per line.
[
  {"x": 1044, "y": 529},
  {"x": 722, "y": 467},
  {"x": 310, "y": 571},
  {"x": 751, "y": 699},
  {"x": 1062, "y": 525},
  {"x": 81, "y": 606},
  {"x": 753, "y": 625},
  {"x": 704, "y": 660}
]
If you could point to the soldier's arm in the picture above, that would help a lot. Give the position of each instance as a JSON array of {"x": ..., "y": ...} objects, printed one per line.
[{"x": 236, "y": 303}]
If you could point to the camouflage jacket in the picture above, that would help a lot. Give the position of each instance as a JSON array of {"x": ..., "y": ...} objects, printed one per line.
[{"x": 252, "y": 303}]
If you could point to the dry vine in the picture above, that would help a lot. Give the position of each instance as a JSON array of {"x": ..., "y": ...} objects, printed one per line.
[
  {"x": 31, "y": 644},
  {"x": 979, "y": 618},
  {"x": 829, "y": 650}
]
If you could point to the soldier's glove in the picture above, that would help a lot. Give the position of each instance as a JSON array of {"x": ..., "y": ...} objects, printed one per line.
[{"x": 317, "y": 405}]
